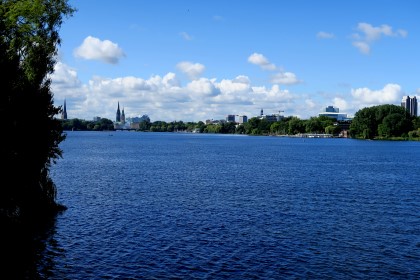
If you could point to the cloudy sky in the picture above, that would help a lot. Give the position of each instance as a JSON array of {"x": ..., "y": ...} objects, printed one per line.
[{"x": 198, "y": 60}]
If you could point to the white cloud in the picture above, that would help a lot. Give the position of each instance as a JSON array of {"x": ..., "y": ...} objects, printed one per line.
[
  {"x": 310, "y": 103},
  {"x": 362, "y": 46},
  {"x": 186, "y": 36},
  {"x": 367, "y": 34},
  {"x": 165, "y": 98},
  {"x": 281, "y": 77},
  {"x": 94, "y": 49},
  {"x": 192, "y": 70},
  {"x": 340, "y": 103},
  {"x": 324, "y": 35},
  {"x": 64, "y": 76},
  {"x": 262, "y": 61},
  {"x": 202, "y": 87},
  {"x": 391, "y": 93},
  {"x": 239, "y": 85},
  {"x": 284, "y": 78}
]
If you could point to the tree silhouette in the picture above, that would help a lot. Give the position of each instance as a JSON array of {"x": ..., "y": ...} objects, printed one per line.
[{"x": 30, "y": 132}]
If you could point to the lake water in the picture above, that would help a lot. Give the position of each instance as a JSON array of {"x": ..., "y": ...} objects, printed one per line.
[{"x": 200, "y": 206}]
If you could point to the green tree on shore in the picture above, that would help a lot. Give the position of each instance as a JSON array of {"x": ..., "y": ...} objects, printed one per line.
[
  {"x": 31, "y": 135},
  {"x": 383, "y": 121}
]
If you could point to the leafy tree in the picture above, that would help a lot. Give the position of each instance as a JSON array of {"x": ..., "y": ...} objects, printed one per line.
[
  {"x": 296, "y": 126},
  {"x": 381, "y": 120},
  {"x": 240, "y": 129},
  {"x": 416, "y": 123},
  {"x": 144, "y": 125},
  {"x": 333, "y": 129},
  {"x": 212, "y": 128},
  {"x": 28, "y": 46},
  {"x": 200, "y": 125},
  {"x": 313, "y": 125},
  {"x": 228, "y": 128}
]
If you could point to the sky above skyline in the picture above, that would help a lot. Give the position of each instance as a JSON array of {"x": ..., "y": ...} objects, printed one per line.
[{"x": 199, "y": 60}]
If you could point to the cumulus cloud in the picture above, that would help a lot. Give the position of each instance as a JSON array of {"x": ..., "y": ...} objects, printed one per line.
[
  {"x": 281, "y": 77},
  {"x": 285, "y": 78},
  {"x": 202, "y": 87},
  {"x": 324, "y": 35},
  {"x": 262, "y": 61},
  {"x": 340, "y": 103},
  {"x": 94, "y": 49},
  {"x": 391, "y": 93},
  {"x": 64, "y": 76},
  {"x": 166, "y": 98},
  {"x": 192, "y": 70},
  {"x": 367, "y": 34}
]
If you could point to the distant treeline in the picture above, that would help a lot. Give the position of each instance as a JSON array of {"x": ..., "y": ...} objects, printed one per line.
[
  {"x": 377, "y": 122},
  {"x": 82, "y": 125}
]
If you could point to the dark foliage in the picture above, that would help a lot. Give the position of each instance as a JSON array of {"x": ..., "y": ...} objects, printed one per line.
[{"x": 31, "y": 134}]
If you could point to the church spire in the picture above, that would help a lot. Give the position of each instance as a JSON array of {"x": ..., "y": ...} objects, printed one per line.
[
  {"x": 64, "y": 112},
  {"x": 122, "y": 116},
  {"x": 118, "y": 117}
]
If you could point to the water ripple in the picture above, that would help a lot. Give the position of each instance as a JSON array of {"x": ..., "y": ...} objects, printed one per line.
[{"x": 172, "y": 206}]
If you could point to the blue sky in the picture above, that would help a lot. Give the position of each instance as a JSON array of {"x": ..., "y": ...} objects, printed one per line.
[{"x": 199, "y": 60}]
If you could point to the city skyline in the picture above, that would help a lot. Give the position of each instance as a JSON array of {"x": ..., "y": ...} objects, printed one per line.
[{"x": 192, "y": 61}]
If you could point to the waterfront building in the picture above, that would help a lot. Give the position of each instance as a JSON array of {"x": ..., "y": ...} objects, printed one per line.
[
  {"x": 410, "y": 104},
  {"x": 64, "y": 112},
  {"x": 334, "y": 113}
]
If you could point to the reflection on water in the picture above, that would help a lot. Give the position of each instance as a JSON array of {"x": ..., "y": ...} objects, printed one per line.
[{"x": 28, "y": 252}]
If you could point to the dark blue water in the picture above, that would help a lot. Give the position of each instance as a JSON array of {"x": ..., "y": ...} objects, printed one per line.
[{"x": 199, "y": 206}]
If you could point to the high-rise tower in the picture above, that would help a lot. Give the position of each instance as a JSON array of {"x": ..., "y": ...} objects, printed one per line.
[
  {"x": 64, "y": 112},
  {"x": 410, "y": 104},
  {"x": 118, "y": 117}
]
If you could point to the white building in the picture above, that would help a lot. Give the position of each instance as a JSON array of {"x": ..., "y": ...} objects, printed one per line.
[{"x": 334, "y": 113}]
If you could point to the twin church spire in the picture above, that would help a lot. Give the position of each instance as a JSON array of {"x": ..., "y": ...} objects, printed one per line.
[{"x": 120, "y": 116}]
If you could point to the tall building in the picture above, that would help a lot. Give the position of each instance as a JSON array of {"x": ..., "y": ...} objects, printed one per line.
[
  {"x": 410, "y": 104},
  {"x": 118, "y": 117},
  {"x": 230, "y": 118},
  {"x": 64, "y": 112},
  {"x": 242, "y": 119}
]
